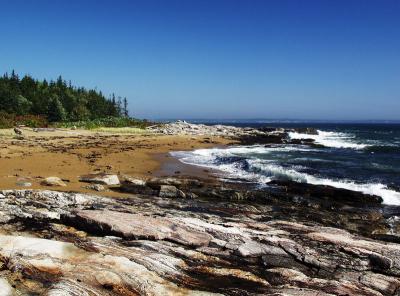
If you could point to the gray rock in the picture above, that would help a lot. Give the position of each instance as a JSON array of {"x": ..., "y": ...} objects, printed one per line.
[
  {"x": 157, "y": 182},
  {"x": 149, "y": 245},
  {"x": 134, "y": 181},
  {"x": 170, "y": 191},
  {"x": 96, "y": 187},
  {"x": 105, "y": 179},
  {"x": 137, "y": 226},
  {"x": 23, "y": 184}
]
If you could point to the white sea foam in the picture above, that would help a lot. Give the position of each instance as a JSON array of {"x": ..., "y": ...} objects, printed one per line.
[
  {"x": 263, "y": 170},
  {"x": 331, "y": 139},
  {"x": 278, "y": 172}
]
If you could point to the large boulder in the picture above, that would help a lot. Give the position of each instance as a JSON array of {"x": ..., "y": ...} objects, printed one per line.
[{"x": 105, "y": 179}]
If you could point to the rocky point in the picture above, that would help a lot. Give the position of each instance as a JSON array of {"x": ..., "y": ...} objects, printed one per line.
[{"x": 152, "y": 243}]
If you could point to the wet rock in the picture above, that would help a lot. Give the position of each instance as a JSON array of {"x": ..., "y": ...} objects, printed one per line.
[
  {"x": 253, "y": 139},
  {"x": 306, "y": 130},
  {"x": 310, "y": 142},
  {"x": 105, "y": 179},
  {"x": 328, "y": 193},
  {"x": 53, "y": 181}
]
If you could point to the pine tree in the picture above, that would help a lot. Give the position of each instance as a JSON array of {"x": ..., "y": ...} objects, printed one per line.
[
  {"x": 57, "y": 100},
  {"x": 56, "y": 111},
  {"x": 119, "y": 106},
  {"x": 14, "y": 76},
  {"x": 126, "y": 112},
  {"x": 22, "y": 105},
  {"x": 113, "y": 100}
]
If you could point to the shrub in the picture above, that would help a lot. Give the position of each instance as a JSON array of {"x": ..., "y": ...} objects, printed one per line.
[
  {"x": 31, "y": 120},
  {"x": 106, "y": 122},
  {"x": 10, "y": 120}
]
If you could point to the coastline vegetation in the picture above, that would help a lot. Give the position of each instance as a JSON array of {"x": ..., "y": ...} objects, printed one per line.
[
  {"x": 41, "y": 103},
  {"x": 105, "y": 122}
]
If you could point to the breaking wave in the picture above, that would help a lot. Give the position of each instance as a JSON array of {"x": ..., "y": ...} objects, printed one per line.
[
  {"x": 249, "y": 163},
  {"x": 331, "y": 139}
]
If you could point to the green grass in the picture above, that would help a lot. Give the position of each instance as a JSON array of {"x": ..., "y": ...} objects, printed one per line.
[{"x": 108, "y": 122}]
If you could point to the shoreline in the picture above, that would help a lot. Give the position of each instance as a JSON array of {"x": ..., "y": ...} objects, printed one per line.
[
  {"x": 170, "y": 166},
  {"x": 69, "y": 154},
  {"x": 174, "y": 167}
]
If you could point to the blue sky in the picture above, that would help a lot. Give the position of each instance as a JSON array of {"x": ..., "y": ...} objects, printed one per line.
[{"x": 216, "y": 59}]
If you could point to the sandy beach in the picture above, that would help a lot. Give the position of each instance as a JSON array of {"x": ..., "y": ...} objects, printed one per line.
[{"x": 68, "y": 154}]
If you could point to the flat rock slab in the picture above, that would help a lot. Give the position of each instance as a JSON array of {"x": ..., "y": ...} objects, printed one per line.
[
  {"x": 147, "y": 245},
  {"x": 79, "y": 272},
  {"x": 105, "y": 179},
  {"x": 137, "y": 226}
]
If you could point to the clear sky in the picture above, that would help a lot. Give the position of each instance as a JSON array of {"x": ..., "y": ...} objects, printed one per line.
[{"x": 333, "y": 59}]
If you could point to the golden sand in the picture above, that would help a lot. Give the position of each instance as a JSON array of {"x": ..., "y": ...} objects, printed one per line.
[{"x": 67, "y": 154}]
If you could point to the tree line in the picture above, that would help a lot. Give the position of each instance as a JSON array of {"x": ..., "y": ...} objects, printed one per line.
[{"x": 56, "y": 100}]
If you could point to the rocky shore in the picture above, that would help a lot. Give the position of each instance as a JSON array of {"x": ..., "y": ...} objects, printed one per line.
[
  {"x": 177, "y": 236},
  {"x": 188, "y": 235},
  {"x": 242, "y": 135}
]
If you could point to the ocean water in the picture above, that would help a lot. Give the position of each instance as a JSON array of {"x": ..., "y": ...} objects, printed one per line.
[{"x": 359, "y": 157}]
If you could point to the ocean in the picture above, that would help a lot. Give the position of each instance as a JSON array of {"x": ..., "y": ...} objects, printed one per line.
[{"x": 363, "y": 157}]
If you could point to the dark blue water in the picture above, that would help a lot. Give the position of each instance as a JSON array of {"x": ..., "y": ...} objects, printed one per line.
[{"x": 358, "y": 156}]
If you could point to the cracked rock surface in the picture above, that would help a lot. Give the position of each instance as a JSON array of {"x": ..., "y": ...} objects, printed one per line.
[{"x": 57, "y": 243}]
